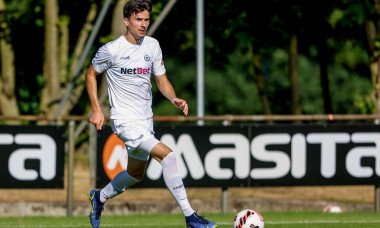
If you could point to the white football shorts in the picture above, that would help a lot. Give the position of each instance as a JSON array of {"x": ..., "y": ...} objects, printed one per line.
[{"x": 137, "y": 135}]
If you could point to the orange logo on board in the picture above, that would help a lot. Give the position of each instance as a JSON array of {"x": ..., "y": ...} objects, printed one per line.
[{"x": 115, "y": 156}]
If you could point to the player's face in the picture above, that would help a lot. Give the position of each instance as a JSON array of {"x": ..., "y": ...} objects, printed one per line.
[{"x": 138, "y": 24}]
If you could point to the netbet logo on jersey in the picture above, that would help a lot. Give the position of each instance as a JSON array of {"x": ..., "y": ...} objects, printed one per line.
[{"x": 135, "y": 70}]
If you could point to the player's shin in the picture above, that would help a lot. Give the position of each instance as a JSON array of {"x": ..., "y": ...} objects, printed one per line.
[
  {"x": 174, "y": 183},
  {"x": 121, "y": 182}
]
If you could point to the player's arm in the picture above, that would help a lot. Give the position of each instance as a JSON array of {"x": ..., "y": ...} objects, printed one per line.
[
  {"x": 167, "y": 90},
  {"x": 97, "y": 117}
]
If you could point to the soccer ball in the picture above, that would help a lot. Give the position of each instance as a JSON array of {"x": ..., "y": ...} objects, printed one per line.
[
  {"x": 248, "y": 219},
  {"x": 332, "y": 208}
]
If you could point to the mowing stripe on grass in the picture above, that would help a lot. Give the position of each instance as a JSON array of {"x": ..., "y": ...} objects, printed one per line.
[
  {"x": 82, "y": 225},
  {"x": 321, "y": 222},
  {"x": 220, "y": 223}
]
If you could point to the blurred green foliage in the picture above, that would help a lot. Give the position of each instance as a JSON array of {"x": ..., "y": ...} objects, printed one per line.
[{"x": 234, "y": 30}]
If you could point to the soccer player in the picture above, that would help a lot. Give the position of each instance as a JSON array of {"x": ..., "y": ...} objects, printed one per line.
[{"x": 129, "y": 62}]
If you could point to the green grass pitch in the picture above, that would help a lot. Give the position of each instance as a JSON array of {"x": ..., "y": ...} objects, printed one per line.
[{"x": 302, "y": 219}]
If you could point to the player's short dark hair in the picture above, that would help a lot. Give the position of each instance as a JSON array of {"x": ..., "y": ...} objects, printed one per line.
[{"x": 136, "y": 6}]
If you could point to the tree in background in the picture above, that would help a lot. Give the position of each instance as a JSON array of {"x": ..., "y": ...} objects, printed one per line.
[
  {"x": 8, "y": 99},
  {"x": 50, "y": 92},
  {"x": 262, "y": 57},
  {"x": 56, "y": 73},
  {"x": 347, "y": 43},
  {"x": 69, "y": 64},
  {"x": 373, "y": 36},
  {"x": 55, "y": 52}
]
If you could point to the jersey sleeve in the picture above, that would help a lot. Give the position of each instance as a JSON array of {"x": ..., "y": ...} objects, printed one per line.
[
  {"x": 158, "y": 63},
  {"x": 102, "y": 60}
]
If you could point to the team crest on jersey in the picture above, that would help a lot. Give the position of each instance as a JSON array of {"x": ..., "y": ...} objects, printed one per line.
[{"x": 146, "y": 58}]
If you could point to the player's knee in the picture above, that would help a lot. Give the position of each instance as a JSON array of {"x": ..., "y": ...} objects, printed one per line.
[
  {"x": 140, "y": 177},
  {"x": 169, "y": 159},
  {"x": 136, "y": 174}
]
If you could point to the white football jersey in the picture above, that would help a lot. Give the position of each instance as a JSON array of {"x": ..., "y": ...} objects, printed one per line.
[{"x": 128, "y": 69}]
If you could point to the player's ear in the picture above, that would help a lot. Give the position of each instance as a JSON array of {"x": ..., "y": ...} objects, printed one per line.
[{"x": 126, "y": 21}]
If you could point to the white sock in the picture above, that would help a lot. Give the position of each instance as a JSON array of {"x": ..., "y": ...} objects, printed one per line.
[
  {"x": 174, "y": 183},
  {"x": 121, "y": 182}
]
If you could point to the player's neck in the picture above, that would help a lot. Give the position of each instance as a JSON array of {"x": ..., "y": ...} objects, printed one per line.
[{"x": 131, "y": 39}]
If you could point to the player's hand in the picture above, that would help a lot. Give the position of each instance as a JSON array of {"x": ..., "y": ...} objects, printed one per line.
[
  {"x": 97, "y": 118},
  {"x": 181, "y": 104}
]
